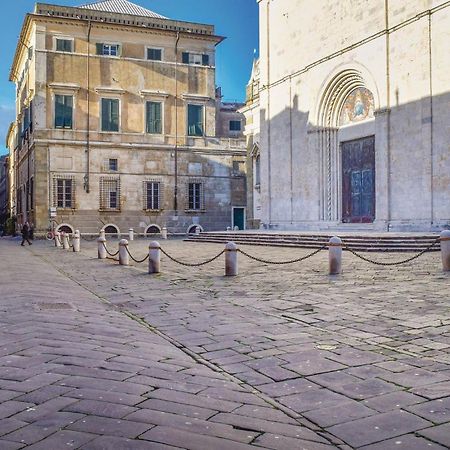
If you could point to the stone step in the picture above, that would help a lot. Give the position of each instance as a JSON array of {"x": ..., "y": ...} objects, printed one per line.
[{"x": 365, "y": 243}]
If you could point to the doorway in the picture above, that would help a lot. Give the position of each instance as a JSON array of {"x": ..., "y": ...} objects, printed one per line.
[
  {"x": 238, "y": 217},
  {"x": 358, "y": 180}
]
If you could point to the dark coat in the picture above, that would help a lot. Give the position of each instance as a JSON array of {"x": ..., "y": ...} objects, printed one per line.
[{"x": 25, "y": 231}]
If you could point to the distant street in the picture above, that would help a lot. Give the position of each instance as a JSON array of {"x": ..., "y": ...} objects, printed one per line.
[{"x": 98, "y": 356}]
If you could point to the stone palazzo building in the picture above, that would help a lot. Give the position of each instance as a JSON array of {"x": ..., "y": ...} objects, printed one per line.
[
  {"x": 354, "y": 107},
  {"x": 118, "y": 123}
]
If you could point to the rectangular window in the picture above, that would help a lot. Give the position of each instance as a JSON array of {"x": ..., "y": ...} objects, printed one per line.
[
  {"x": 108, "y": 49},
  {"x": 152, "y": 195},
  {"x": 195, "y": 196},
  {"x": 109, "y": 193},
  {"x": 113, "y": 165},
  {"x": 195, "y": 58},
  {"x": 63, "y": 111},
  {"x": 63, "y": 192},
  {"x": 64, "y": 45},
  {"x": 154, "y": 118},
  {"x": 235, "y": 125},
  {"x": 110, "y": 114},
  {"x": 154, "y": 54},
  {"x": 195, "y": 120}
]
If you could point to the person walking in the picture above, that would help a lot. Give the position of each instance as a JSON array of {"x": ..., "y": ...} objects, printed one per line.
[{"x": 25, "y": 234}]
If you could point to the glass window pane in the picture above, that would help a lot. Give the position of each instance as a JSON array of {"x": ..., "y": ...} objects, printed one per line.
[{"x": 195, "y": 120}]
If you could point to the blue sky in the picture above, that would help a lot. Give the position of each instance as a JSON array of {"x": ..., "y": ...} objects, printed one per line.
[{"x": 235, "y": 19}]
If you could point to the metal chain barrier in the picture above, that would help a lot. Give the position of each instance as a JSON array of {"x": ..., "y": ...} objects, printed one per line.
[
  {"x": 136, "y": 260},
  {"x": 195, "y": 264},
  {"x": 109, "y": 253},
  {"x": 292, "y": 261},
  {"x": 397, "y": 263},
  {"x": 89, "y": 239}
]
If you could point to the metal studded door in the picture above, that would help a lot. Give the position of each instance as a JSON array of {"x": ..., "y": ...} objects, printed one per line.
[{"x": 358, "y": 181}]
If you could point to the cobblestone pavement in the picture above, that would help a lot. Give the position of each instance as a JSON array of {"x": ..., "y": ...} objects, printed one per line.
[{"x": 95, "y": 355}]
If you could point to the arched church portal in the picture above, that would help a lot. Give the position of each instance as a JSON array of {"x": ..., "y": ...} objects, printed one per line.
[{"x": 347, "y": 150}]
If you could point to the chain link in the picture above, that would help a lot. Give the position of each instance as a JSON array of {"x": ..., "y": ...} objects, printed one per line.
[
  {"x": 109, "y": 253},
  {"x": 89, "y": 239},
  {"x": 397, "y": 263},
  {"x": 292, "y": 261},
  {"x": 195, "y": 264},
  {"x": 136, "y": 260}
]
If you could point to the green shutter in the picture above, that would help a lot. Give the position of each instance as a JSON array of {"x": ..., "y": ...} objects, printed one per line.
[
  {"x": 114, "y": 115},
  {"x": 99, "y": 47},
  {"x": 59, "y": 111},
  {"x": 205, "y": 60},
  {"x": 154, "y": 119},
  {"x": 185, "y": 58},
  {"x": 68, "y": 111}
]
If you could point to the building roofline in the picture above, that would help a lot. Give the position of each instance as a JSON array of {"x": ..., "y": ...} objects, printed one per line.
[{"x": 91, "y": 16}]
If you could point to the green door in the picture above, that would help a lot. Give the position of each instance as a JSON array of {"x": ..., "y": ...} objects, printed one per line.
[{"x": 239, "y": 218}]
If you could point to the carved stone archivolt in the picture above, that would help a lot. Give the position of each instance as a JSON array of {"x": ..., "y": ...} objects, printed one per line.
[{"x": 345, "y": 101}]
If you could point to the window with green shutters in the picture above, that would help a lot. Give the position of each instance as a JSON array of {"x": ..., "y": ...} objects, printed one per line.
[
  {"x": 195, "y": 58},
  {"x": 64, "y": 45},
  {"x": 63, "y": 111},
  {"x": 110, "y": 114},
  {"x": 108, "y": 49},
  {"x": 154, "y": 117},
  {"x": 154, "y": 54},
  {"x": 195, "y": 120}
]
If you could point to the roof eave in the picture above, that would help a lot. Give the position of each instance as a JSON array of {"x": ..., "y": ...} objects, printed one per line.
[{"x": 25, "y": 29}]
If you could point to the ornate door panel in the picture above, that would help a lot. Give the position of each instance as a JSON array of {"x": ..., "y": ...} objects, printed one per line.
[{"x": 358, "y": 181}]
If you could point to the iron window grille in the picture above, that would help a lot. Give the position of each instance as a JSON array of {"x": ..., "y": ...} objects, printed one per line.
[
  {"x": 109, "y": 194},
  {"x": 63, "y": 192},
  {"x": 235, "y": 125},
  {"x": 195, "y": 196},
  {"x": 153, "y": 191}
]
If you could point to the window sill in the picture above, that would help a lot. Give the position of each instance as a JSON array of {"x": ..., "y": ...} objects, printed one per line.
[
  {"x": 195, "y": 211},
  {"x": 154, "y": 211},
  {"x": 110, "y": 210}
]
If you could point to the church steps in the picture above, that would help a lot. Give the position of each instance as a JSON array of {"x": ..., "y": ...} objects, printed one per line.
[{"x": 365, "y": 243}]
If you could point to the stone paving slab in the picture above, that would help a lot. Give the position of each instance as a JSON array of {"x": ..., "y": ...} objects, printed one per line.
[
  {"x": 77, "y": 371},
  {"x": 358, "y": 358}
]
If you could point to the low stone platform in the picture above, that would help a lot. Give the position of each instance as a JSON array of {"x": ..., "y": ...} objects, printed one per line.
[{"x": 360, "y": 241}]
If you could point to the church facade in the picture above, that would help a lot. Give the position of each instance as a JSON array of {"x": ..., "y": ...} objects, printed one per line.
[{"x": 354, "y": 107}]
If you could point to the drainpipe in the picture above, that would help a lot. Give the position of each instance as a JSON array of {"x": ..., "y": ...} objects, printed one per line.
[
  {"x": 388, "y": 107},
  {"x": 175, "y": 194},
  {"x": 88, "y": 121}
]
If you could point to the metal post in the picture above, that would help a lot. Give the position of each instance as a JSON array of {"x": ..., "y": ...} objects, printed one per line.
[
  {"x": 335, "y": 255},
  {"x": 58, "y": 239},
  {"x": 231, "y": 261},
  {"x": 445, "y": 250},
  {"x": 131, "y": 234},
  {"x": 65, "y": 239},
  {"x": 76, "y": 241},
  {"x": 124, "y": 259},
  {"x": 101, "y": 242},
  {"x": 154, "y": 257},
  {"x": 164, "y": 233}
]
